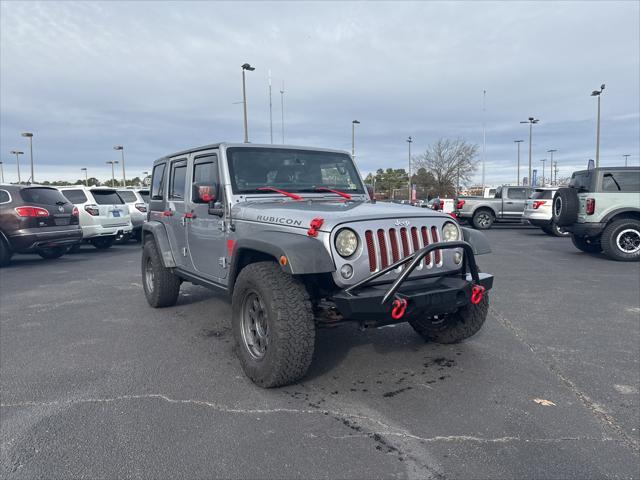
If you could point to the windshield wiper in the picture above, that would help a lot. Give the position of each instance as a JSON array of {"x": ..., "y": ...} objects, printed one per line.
[
  {"x": 337, "y": 192},
  {"x": 281, "y": 192}
]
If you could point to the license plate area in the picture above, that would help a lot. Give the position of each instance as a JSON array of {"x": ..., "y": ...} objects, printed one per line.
[{"x": 62, "y": 220}]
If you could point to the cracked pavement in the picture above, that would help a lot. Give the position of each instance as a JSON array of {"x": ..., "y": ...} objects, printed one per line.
[{"x": 96, "y": 384}]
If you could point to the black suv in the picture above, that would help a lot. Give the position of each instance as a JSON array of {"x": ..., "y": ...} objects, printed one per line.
[{"x": 36, "y": 219}]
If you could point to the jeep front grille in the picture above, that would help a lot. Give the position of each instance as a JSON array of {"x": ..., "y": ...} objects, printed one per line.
[{"x": 385, "y": 247}]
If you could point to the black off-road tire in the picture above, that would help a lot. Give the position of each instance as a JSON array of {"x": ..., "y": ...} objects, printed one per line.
[
  {"x": 53, "y": 252},
  {"x": 483, "y": 219},
  {"x": 453, "y": 327},
  {"x": 555, "y": 230},
  {"x": 290, "y": 325},
  {"x": 5, "y": 253},
  {"x": 102, "y": 243},
  {"x": 621, "y": 235},
  {"x": 565, "y": 206},
  {"x": 161, "y": 286},
  {"x": 587, "y": 244}
]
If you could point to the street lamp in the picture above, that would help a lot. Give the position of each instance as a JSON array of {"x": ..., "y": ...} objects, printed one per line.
[
  {"x": 551, "y": 162},
  {"x": 245, "y": 66},
  {"x": 626, "y": 158},
  {"x": 124, "y": 178},
  {"x": 86, "y": 177},
  {"x": 598, "y": 93},
  {"x": 409, "y": 141},
  {"x": 1, "y": 173},
  {"x": 16, "y": 153},
  {"x": 353, "y": 138},
  {"x": 531, "y": 121},
  {"x": 544, "y": 161},
  {"x": 113, "y": 174},
  {"x": 29, "y": 135},
  {"x": 518, "y": 142}
]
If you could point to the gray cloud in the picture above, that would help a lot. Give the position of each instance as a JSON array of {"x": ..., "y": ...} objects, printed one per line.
[{"x": 159, "y": 77}]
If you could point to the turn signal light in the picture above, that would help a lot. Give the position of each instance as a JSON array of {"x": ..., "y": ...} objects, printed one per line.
[
  {"x": 32, "y": 212},
  {"x": 538, "y": 203},
  {"x": 141, "y": 207},
  {"x": 460, "y": 204},
  {"x": 591, "y": 206}
]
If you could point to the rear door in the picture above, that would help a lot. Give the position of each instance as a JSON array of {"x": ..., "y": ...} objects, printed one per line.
[
  {"x": 205, "y": 233},
  {"x": 175, "y": 220},
  {"x": 513, "y": 202}
]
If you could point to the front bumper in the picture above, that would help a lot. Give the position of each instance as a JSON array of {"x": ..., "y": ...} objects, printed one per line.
[
  {"x": 29, "y": 240},
  {"x": 586, "y": 229},
  {"x": 368, "y": 302}
]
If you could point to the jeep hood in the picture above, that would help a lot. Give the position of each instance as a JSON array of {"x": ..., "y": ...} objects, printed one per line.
[{"x": 285, "y": 212}]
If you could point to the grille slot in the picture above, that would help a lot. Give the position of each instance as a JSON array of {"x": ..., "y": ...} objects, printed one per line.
[{"x": 384, "y": 247}]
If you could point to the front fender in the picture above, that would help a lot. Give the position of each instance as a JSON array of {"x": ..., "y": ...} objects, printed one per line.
[
  {"x": 477, "y": 240},
  {"x": 158, "y": 231}
]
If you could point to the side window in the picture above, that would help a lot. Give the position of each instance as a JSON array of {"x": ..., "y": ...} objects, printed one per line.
[
  {"x": 157, "y": 182},
  {"x": 205, "y": 170},
  {"x": 517, "y": 193},
  {"x": 621, "y": 182},
  {"x": 178, "y": 179},
  {"x": 498, "y": 193},
  {"x": 4, "y": 196}
]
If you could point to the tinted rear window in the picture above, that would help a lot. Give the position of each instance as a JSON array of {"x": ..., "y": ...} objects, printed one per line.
[
  {"x": 543, "y": 194},
  {"x": 127, "y": 196},
  {"x": 621, "y": 181},
  {"x": 4, "y": 196},
  {"x": 106, "y": 197},
  {"x": 157, "y": 182},
  {"x": 581, "y": 180},
  {"x": 43, "y": 196},
  {"x": 75, "y": 196}
]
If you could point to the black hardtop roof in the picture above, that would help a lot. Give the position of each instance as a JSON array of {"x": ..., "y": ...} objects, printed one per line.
[
  {"x": 615, "y": 169},
  {"x": 245, "y": 145}
]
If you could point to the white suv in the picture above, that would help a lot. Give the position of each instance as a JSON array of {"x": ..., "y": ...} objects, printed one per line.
[
  {"x": 538, "y": 211},
  {"x": 137, "y": 209},
  {"x": 103, "y": 214}
]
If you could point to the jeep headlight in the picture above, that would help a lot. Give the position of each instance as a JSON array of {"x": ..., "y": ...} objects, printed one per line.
[
  {"x": 450, "y": 232},
  {"x": 346, "y": 242}
]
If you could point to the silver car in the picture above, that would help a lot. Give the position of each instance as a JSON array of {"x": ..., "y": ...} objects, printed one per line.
[
  {"x": 137, "y": 209},
  {"x": 538, "y": 211}
]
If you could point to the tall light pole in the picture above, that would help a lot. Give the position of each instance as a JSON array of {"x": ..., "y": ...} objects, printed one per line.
[
  {"x": 484, "y": 136},
  {"x": 245, "y": 66},
  {"x": 29, "y": 135},
  {"x": 518, "y": 142},
  {"x": 598, "y": 93},
  {"x": 86, "y": 176},
  {"x": 544, "y": 161},
  {"x": 113, "y": 173},
  {"x": 555, "y": 172},
  {"x": 626, "y": 158},
  {"x": 124, "y": 177},
  {"x": 409, "y": 141},
  {"x": 1, "y": 173},
  {"x": 550, "y": 151},
  {"x": 282, "y": 109},
  {"x": 17, "y": 153},
  {"x": 531, "y": 121},
  {"x": 353, "y": 138},
  {"x": 270, "y": 111}
]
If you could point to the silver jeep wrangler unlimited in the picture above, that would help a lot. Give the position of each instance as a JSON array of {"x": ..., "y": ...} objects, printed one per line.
[{"x": 297, "y": 241}]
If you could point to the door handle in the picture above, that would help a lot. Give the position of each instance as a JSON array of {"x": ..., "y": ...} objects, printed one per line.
[{"x": 509, "y": 203}]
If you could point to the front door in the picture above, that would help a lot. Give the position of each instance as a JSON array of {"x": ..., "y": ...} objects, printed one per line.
[
  {"x": 206, "y": 237},
  {"x": 175, "y": 213},
  {"x": 514, "y": 202}
]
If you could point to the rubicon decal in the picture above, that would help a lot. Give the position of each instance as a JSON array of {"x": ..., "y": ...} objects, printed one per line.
[{"x": 280, "y": 220}]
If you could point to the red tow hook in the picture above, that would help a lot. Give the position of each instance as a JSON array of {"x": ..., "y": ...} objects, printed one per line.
[
  {"x": 477, "y": 292},
  {"x": 398, "y": 307}
]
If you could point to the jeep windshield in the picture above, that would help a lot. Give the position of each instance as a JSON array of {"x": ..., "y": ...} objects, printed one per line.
[{"x": 294, "y": 171}]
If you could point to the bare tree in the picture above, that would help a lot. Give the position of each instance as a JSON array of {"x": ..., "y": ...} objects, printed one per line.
[{"x": 449, "y": 161}]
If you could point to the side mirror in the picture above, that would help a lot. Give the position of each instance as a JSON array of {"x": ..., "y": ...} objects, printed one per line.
[
  {"x": 216, "y": 208},
  {"x": 204, "y": 193},
  {"x": 372, "y": 194}
]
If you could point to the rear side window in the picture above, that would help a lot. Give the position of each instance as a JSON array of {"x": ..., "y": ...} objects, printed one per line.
[
  {"x": 621, "y": 181},
  {"x": 75, "y": 196},
  {"x": 145, "y": 195},
  {"x": 43, "y": 196},
  {"x": 178, "y": 179},
  {"x": 106, "y": 197},
  {"x": 157, "y": 182},
  {"x": 542, "y": 194},
  {"x": 128, "y": 196},
  {"x": 517, "y": 193},
  {"x": 4, "y": 196},
  {"x": 581, "y": 181}
]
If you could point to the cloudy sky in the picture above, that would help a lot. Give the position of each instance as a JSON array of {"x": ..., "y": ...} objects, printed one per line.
[{"x": 161, "y": 76}]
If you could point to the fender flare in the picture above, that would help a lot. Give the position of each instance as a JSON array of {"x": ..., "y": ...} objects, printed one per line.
[
  {"x": 159, "y": 233},
  {"x": 304, "y": 254},
  {"x": 477, "y": 240},
  {"x": 607, "y": 218}
]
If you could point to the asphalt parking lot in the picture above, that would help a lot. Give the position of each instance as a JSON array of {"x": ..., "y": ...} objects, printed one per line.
[{"x": 96, "y": 384}]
